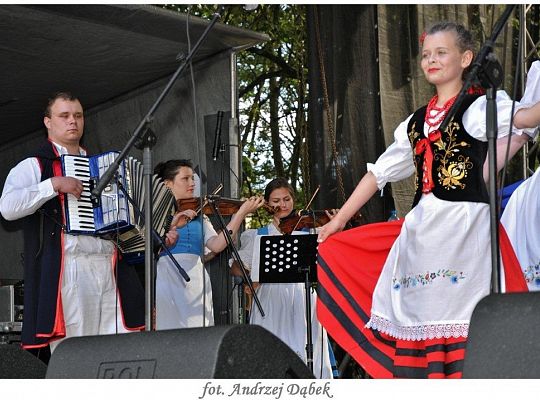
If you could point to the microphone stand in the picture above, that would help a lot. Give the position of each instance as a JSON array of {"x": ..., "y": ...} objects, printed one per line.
[
  {"x": 148, "y": 141},
  {"x": 158, "y": 239},
  {"x": 307, "y": 283},
  {"x": 490, "y": 73},
  {"x": 308, "y": 286},
  {"x": 212, "y": 201},
  {"x": 309, "y": 327}
]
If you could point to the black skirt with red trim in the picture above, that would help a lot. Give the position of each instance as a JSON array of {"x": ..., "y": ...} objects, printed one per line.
[{"x": 349, "y": 265}]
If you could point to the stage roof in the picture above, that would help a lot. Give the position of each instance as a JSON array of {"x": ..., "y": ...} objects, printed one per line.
[{"x": 98, "y": 52}]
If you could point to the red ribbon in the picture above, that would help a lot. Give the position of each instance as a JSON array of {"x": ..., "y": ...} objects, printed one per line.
[{"x": 424, "y": 146}]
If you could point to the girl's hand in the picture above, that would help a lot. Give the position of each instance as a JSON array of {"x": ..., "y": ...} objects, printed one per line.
[
  {"x": 251, "y": 205},
  {"x": 182, "y": 218},
  {"x": 171, "y": 237},
  {"x": 335, "y": 225}
]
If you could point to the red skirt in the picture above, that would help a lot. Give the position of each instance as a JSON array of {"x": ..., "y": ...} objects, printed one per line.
[{"x": 349, "y": 265}]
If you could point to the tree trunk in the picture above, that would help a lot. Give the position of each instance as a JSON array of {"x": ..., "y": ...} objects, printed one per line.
[{"x": 274, "y": 127}]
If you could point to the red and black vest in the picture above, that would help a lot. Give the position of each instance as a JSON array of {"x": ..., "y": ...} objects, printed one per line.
[{"x": 453, "y": 159}]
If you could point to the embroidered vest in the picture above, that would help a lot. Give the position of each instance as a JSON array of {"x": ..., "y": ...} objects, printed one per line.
[{"x": 458, "y": 159}]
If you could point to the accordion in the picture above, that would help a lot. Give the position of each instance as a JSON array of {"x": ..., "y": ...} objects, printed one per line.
[{"x": 113, "y": 215}]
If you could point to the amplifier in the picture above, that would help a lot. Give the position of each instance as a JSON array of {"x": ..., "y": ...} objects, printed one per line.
[{"x": 11, "y": 309}]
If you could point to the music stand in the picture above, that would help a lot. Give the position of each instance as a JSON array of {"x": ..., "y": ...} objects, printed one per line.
[{"x": 289, "y": 259}]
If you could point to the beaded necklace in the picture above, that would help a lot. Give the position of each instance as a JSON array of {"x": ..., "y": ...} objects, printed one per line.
[{"x": 433, "y": 120}]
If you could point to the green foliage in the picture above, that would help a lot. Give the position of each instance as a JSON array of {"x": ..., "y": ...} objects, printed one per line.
[
  {"x": 273, "y": 88},
  {"x": 273, "y": 92}
]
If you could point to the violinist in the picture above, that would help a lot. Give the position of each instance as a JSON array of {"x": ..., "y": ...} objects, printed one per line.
[
  {"x": 284, "y": 303},
  {"x": 181, "y": 304}
]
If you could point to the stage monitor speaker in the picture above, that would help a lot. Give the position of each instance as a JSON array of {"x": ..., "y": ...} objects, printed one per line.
[
  {"x": 221, "y": 352},
  {"x": 16, "y": 363},
  {"x": 504, "y": 337}
]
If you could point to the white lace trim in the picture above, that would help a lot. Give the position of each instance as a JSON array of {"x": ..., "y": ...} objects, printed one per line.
[{"x": 421, "y": 332}]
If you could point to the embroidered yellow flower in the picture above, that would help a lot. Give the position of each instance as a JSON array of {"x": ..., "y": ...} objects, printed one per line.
[
  {"x": 454, "y": 174},
  {"x": 439, "y": 144},
  {"x": 453, "y": 166}
]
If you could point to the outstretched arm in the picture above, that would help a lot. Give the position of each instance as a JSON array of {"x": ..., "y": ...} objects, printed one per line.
[
  {"x": 524, "y": 118},
  {"x": 528, "y": 117},
  {"x": 363, "y": 192},
  {"x": 516, "y": 143}
]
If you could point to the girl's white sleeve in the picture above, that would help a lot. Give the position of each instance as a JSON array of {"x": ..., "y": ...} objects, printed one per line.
[{"x": 397, "y": 162}]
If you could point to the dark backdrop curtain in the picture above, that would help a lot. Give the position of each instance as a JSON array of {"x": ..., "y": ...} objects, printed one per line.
[
  {"x": 370, "y": 55},
  {"x": 348, "y": 38}
]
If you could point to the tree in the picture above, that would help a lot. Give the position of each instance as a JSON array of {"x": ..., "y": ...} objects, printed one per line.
[
  {"x": 274, "y": 92},
  {"x": 273, "y": 85}
]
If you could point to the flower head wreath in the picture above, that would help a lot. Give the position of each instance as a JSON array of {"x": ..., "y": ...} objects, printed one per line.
[{"x": 422, "y": 37}]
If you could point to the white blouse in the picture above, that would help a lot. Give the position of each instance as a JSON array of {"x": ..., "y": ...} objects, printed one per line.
[{"x": 397, "y": 163}]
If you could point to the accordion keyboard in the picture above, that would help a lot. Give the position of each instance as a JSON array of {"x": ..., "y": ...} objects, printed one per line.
[{"x": 80, "y": 211}]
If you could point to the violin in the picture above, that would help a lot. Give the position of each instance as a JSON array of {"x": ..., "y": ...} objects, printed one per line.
[
  {"x": 298, "y": 220},
  {"x": 225, "y": 206}
]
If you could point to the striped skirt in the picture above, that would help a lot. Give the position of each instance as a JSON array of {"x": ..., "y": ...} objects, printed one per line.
[{"x": 344, "y": 306}]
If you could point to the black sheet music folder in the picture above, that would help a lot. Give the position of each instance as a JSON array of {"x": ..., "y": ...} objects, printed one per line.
[{"x": 283, "y": 259}]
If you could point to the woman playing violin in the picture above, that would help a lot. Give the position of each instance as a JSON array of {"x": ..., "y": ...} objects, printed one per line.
[
  {"x": 284, "y": 303},
  {"x": 182, "y": 304}
]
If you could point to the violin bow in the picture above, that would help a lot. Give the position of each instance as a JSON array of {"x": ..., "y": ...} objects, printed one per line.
[
  {"x": 217, "y": 190},
  {"x": 307, "y": 206},
  {"x": 207, "y": 200}
]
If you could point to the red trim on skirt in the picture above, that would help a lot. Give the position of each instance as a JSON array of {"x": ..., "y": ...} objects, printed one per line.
[{"x": 349, "y": 266}]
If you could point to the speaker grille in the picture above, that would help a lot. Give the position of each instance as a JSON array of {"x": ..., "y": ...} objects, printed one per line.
[
  {"x": 236, "y": 351},
  {"x": 17, "y": 363},
  {"x": 503, "y": 337}
]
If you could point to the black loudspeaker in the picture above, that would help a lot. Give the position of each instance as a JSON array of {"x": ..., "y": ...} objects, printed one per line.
[
  {"x": 18, "y": 363},
  {"x": 504, "y": 337},
  {"x": 221, "y": 352}
]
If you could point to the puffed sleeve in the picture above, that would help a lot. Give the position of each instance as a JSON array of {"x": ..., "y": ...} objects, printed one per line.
[
  {"x": 396, "y": 163},
  {"x": 531, "y": 95},
  {"x": 474, "y": 119}
]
